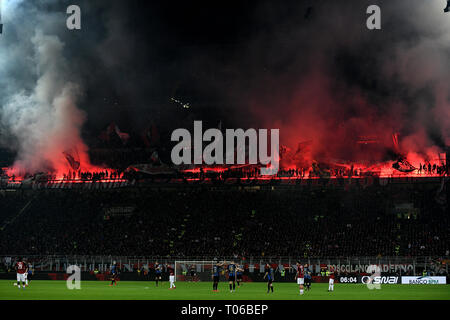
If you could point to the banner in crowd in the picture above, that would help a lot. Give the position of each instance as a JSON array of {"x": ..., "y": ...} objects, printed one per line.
[
  {"x": 87, "y": 185},
  {"x": 391, "y": 280},
  {"x": 362, "y": 268},
  {"x": 424, "y": 280}
]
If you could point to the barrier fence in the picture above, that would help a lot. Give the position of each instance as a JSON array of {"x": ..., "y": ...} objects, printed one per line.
[{"x": 347, "y": 265}]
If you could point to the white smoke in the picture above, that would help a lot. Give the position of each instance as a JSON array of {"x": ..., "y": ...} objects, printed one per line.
[
  {"x": 425, "y": 63},
  {"x": 39, "y": 118}
]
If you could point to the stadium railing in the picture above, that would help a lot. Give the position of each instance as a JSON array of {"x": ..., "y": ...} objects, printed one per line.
[{"x": 396, "y": 264}]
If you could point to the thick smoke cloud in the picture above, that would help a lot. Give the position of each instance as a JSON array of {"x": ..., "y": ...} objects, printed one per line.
[
  {"x": 39, "y": 116},
  {"x": 330, "y": 80}
]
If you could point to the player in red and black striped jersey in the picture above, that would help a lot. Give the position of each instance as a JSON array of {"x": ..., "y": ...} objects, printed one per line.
[
  {"x": 300, "y": 276},
  {"x": 21, "y": 269}
]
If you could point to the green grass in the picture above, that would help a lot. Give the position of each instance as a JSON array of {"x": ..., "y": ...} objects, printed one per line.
[{"x": 100, "y": 290}]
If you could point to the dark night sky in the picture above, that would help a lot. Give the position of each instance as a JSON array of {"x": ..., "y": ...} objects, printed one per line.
[
  {"x": 196, "y": 51},
  {"x": 169, "y": 49}
]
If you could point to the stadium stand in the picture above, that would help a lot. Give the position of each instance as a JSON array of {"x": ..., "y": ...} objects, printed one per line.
[{"x": 194, "y": 221}]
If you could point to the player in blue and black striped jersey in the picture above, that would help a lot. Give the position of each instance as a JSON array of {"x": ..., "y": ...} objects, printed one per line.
[
  {"x": 217, "y": 268},
  {"x": 308, "y": 277},
  {"x": 232, "y": 276},
  {"x": 269, "y": 275},
  {"x": 239, "y": 274},
  {"x": 114, "y": 274},
  {"x": 158, "y": 272}
]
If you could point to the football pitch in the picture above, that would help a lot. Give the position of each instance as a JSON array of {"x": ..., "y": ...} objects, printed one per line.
[{"x": 128, "y": 290}]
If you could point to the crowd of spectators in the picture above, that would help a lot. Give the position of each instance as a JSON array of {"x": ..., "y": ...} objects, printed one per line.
[{"x": 196, "y": 221}]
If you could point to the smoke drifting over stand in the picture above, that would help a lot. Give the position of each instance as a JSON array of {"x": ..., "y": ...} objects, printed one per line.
[
  {"x": 310, "y": 68},
  {"x": 39, "y": 116},
  {"x": 331, "y": 81}
]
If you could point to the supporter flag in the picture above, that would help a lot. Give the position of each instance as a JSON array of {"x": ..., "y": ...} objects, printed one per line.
[
  {"x": 114, "y": 129},
  {"x": 303, "y": 151},
  {"x": 122, "y": 135},
  {"x": 283, "y": 151},
  {"x": 150, "y": 136},
  {"x": 395, "y": 142},
  {"x": 73, "y": 158},
  {"x": 303, "y": 147},
  {"x": 105, "y": 135},
  {"x": 155, "y": 157},
  {"x": 403, "y": 165}
]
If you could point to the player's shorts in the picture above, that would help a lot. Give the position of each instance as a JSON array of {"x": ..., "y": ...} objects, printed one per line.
[
  {"x": 308, "y": 280},
  {"x": 300, "y": 280},
  {"x": 216, "y": 278},
  {"x": 331, "y": 281},
  {"x": 269, "y": 281},
  {"x": 21, "y": 277},
  {"x": 172, "y": 278},
  {"x": 192, "y": 273},
  {"x": 158, "y": 276},
  {"x": 231, "y": 277},
  {"x": 239, "y": 277}
]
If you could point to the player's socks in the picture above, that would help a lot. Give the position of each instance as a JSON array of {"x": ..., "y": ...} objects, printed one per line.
[
  {"x": 271, "y": 288},
  {"x": 301, "y": 291},
  {"x": 231, "y": 287},
  {"x": 234, "y": 286}
]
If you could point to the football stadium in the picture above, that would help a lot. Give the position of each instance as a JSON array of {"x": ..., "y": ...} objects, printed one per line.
[{"x": 197, "y": 151}]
